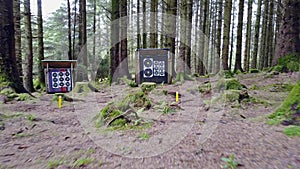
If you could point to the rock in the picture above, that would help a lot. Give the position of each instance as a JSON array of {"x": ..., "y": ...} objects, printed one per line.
[{"x": 3, "y": 98}]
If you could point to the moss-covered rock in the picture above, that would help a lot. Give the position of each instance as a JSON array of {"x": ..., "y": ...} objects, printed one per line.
[
  {"x": 229, "y": 84},
  {"x": 205, "y": 88},
  {"x": 84, "y": 87},
  {"x": 253, "y": 71},
  {"x": 24, "y": 97},
  {"x": 8, "y": 93},
  {"x": 134, "y": 101},
  {"x": 148, "y": 86},
  {"x": 289, "y": 111},
  {"x": 290, "y": 62}
]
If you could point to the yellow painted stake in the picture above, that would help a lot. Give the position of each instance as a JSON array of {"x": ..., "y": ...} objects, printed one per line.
[
  {"x": 59, "y": 101},
  {"x": 177, "y": 97}
]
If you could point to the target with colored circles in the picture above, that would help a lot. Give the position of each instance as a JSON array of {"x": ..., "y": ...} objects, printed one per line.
[{"x": 60, "y": 80}]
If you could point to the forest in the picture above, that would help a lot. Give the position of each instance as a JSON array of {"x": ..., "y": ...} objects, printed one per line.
[{"x": 232, "y": 98}]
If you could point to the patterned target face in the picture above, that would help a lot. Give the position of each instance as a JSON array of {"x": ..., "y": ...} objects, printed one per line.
[
  {"x": 148, "y": 67},
  {"x": 159, "y": 68},
  {"x": 61, "y": 78}
]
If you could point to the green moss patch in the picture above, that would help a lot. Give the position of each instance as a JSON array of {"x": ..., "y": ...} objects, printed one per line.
[
  {"x": 292, "y": 131},
  {"x": 253, "y": 71},
  {"x": 205, "y": 88},
  {"x": 84, "y": 87},
  {"x": 229, "y": 84},
  {"x": 148, "y": 86},
  {"x": 289, "y": 111},
  {"x": 122, "y": 114},
  {"x": 290, "y": 62}
]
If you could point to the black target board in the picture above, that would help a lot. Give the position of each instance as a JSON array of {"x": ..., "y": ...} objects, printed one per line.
[
  {"x": 59, "y": 75},
  {"x": 154, "y": 65}
]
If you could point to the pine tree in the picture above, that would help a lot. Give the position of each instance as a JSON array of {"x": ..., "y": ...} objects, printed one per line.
[
  {"x": 226, "y": 31},
  {"x": 41, "y": 75},
  {"x": 248, "y": 37},
  {"x": 28, "y": 75},
  {"x": 17, "y": 28},
  {"x": 238, "y": 56},
  {"x": 9, "y": 77},
  {"x": 288, "y": 40},
  {"x": 256, "y": 36}
]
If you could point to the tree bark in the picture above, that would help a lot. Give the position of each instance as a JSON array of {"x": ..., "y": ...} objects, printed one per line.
[
  {"x": 138, "y": 26},
  {"x": 153, "y": 22},
  {"x": 263, "y": 43},
  {"x": 171, "y": 28},
  {"x": 218, "y": 38},
  {"x": 144, "y": 25},
  {"x": 74, "y": 30},
  {"x": 8, "y": 74},
  {"x": 248, "y": 37},
  {"x": 205, "y": 29},
  {"x": 226, "y": 31},
  {"x": 123, "y": 25},
  {"x": 69, "y": 32},
  {"x": 41, "y": 74},
  {"x": 232, "y": 38},
  {"x": 189, "y": 21},
  {"x": 288, "y": 40},
  {"x": 182, "y": 47},
  {"x": 270, "y": 40},
  {"x": 256, "y": 36},
  {"x": 17, "y": 27},
  {"x": 238, "y": 56},
  {"x": 114, "y": 39},
  {"x": 28, "y": 76}
]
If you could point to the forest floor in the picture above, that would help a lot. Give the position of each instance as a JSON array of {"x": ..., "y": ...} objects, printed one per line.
[{"x": 37, "y": 134}]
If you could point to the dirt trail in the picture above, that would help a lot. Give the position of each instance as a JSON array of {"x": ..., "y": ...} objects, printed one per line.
[{"x": 66, "y": 138}]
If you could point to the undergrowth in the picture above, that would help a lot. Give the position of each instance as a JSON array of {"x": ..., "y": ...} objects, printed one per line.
[{"x": 289, "y": 111}]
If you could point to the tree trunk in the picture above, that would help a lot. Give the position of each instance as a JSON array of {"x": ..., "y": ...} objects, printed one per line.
[
  {"x": 83, "y": 73},
  {"x": 232, "y": 38},
  {"x": 195, "y": 45},
  {"x": 144, "y": 25},
  {"x": 226, "y": 31},
  {"x": 213, "y": 37},
  {"x": 153, "y": 22},
  {"x": 288, "y": 40},
  {"x": 69, "y": 32},
  {"x": 8, "y": 74},
  {"x": 238, "y": 56},
  {"x": 123, "y": 25},
  {"x": 74, "y": 30},
  {"x": 182, "y": 47},
  {"x": 263, "y": 42},
  {"x": 218, "y": 38},
  {"x": 206, "y": 32},
  {"x": 163, "y": 25},
  {"x": 41, "y": 75},
  {"x": 270, "y": 39},
  {"x": 114, "y": 39},
  {"x": 189, "y": 21},
  {"x": 248, "y": 37},
  {"x": 171, "y": 28},
  {"x": 256, "y": 36},
  {"x": 93, "y": 60},
  {"x": 138, "y": 45},
  {"x": 277, "y": 22},
  {"x": 28, "y": 77},
  {"x": 17, "y": 27}
]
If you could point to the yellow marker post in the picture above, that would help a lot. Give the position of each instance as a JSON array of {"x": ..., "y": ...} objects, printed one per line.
[
  {"x": 176, "y": 97},
  {"x": 59, "y": 101}
]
